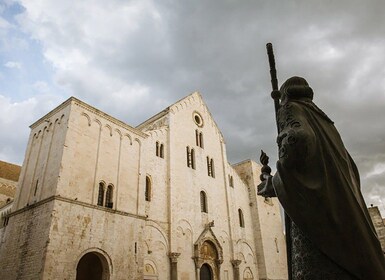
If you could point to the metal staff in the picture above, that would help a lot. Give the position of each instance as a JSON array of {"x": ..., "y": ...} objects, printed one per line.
[
  {"x": 274, "y": 81},
  {"x": 275, "y": 94}
]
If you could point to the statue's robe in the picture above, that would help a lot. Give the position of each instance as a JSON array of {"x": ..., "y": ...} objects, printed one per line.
[{"x": 318, "y": 185}]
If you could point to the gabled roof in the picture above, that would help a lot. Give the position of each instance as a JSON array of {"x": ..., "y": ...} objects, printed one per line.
[
  {"x": 169, "y": 109},
  {"x": 9, "y": 171}
]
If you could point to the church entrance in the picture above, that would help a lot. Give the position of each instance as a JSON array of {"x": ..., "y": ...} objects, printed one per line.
[
  {"x": 90, "y": 267},
  {"x": 205, "y": 272}
]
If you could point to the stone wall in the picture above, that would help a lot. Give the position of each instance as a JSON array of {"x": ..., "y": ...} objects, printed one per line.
[
  {"x": 78, "y": 228},
  {"x": 23, "y": 248},
  {"x": 268, "y": 229}
]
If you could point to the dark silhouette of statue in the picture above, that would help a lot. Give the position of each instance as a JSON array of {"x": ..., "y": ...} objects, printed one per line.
[{"x": 330, "y": 232}]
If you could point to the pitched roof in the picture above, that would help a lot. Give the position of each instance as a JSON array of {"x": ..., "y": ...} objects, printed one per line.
[{"x": 9, "y": 171}]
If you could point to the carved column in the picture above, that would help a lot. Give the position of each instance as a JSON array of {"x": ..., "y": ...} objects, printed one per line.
[
  {"x": 236, "y": 264},
  {"x": 173, "y": 265}
]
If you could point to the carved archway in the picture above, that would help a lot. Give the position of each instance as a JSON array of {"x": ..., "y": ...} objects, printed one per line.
[
  {"x": 248, "y": 274},
  {"x": 150, "y": 271},
  {"x": 208, "y": 254}
]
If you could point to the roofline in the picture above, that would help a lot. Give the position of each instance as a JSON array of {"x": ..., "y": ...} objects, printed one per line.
[
  {"x": 91, "y": 109},
  {"x": 164, "y": 112}
]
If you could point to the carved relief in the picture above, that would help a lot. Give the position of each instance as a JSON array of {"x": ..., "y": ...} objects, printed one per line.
[
  {"x": 161, "y": 123},
  {"x": 207, "y": 250}
]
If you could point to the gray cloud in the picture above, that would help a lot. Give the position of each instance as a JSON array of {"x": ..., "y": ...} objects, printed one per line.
[{"x": 121, "y": 56}]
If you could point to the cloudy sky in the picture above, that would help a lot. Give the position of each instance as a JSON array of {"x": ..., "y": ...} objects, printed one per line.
[{"x": 132, "y": 59}]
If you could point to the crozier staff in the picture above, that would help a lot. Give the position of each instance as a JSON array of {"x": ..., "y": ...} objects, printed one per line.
[{"x": 318, "y": 185}]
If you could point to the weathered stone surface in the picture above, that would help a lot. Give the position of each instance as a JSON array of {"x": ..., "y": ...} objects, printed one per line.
[{"x": 56, "y": 218}]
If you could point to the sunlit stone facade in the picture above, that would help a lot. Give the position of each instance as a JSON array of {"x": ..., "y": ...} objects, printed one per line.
[{"x": 158, "y": 201}]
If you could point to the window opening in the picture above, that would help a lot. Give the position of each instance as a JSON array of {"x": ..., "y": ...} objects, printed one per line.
[
  {"x": 188, "y": 156},
  {"x": 109, "y": 193},
  {"x": 192, "y": 156},
  {"x": 231, "y": 181},
  {"x": 241, "y": 219},
  {"x": 101, "y": 194},
  {"x": 203, "y": 199},
  {"x": 37, "y": 183},
  {"x": 161, "y": 151},
  {"x": 147, "y": 193},
  {"x": 212, "y": 168}
]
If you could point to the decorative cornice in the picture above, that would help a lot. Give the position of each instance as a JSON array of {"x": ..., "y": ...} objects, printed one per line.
[
  {"x": 71, "y": 201},
  {"x": 53, "y": 112},
  {"x": 108, "y": 117}
]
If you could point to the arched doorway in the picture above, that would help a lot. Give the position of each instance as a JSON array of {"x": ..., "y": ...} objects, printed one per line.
[
  {"x": 92, "y": 266},
  {"x": 205, "y": 272}
]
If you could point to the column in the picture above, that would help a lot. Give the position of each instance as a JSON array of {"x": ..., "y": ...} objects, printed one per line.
[
  {"x": 236, "y": 264},
  {"x": 174, "y": 265}
]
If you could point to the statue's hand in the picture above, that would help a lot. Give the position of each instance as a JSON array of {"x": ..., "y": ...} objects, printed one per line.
[{"x": 266, "y": 189}]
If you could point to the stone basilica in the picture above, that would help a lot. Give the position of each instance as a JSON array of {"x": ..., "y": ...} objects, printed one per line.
[{"x": 100, "y": 199}]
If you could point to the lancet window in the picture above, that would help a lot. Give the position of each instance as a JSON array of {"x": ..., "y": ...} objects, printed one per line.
[
  {"x": 203, "y": 199},
  {"x": 147, "y": 193}
]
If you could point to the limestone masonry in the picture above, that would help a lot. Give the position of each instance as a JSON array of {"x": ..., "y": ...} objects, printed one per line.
[{"x": 99, "y": 199}]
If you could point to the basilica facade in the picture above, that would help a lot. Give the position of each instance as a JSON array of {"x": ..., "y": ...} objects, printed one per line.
[{"x": 100, "y": 199}]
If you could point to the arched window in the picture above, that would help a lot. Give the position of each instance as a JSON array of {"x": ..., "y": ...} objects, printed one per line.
[
  {"x": 147, "y": 193},
  {"x": 101, "y": 194},
  {"x": 188, "y": 156},
  {"x": 231, "y": 181},
  {"x": 208, "y": 166},
  {"x": 157, "y": 148},
  {"x": 199, "y": 138},
  {"x": 192, "y": 155},
  {"x": 109, "y": 196},
  {"x": 161, "y": 151},
  {"x": 212, "y": 168},
  {"x": 241, "y": 219},
  {"x": 203, "y": 198}
]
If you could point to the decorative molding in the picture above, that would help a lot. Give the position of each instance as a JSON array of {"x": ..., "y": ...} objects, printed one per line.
[
  {"x": 173, "y": 257},
  {"x": 236, "y": 263}
]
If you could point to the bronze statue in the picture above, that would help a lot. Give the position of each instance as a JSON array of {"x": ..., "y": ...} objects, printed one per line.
[{"x": 330, "y": 232}]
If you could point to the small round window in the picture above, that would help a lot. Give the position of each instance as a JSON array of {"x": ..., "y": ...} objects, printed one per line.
[{"x": 198, "y": 119}]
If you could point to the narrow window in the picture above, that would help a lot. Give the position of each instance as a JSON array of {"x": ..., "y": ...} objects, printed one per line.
[
  {"x": 37, "y": 183},
  {"x": 109, "y": 193},
  {"x": 5, "y": 218},
  {"x": 212, "y": 168},
  {"x": 147, "y": 193},
  {"x": 241, "y": 220},
  {"x": 201, "y": 140},
  {"x": 208, "y": 166},
  {"x": 192, "y": 155},
  {"x": 231, "y": 181},
  {"x": 203, "y": 202},
  {"x": 157, "y": 148},
  {"x": 197, "y": 137},
  {"x": 161, "y": 151},
  {"x": 101, "y": 194},
  {"x": 188, "y": 156}
]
